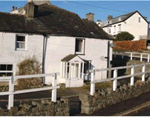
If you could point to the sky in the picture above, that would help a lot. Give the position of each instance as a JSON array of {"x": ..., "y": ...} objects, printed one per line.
[{"x": 101, "y": 9}]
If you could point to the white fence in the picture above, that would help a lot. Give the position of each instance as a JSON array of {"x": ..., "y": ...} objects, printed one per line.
[
  {"x": 132, "y": 55},
  {"x": 116, "y": 77},
  {"x": 11, "y": 91}
]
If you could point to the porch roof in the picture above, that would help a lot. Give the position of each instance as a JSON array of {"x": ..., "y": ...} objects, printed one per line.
[{"x": 71, "y": 56}]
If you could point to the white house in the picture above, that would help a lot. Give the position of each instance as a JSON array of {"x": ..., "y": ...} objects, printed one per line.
[
  {"x": 60, "y": 39},
  {"x": 133, "y": 23}
]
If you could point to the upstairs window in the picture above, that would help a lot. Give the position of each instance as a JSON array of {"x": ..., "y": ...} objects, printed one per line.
[
  {"x": 79, "y": 46},
  {"x": 114, "y": 29},
  {"x": 20, "y": 42},
  {"x": 119, "y": 28}
]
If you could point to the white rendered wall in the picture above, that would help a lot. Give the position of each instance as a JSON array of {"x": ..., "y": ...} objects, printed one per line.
[
  {"x": 60, "y": 47},
  {"x": 8, "y": 52}
]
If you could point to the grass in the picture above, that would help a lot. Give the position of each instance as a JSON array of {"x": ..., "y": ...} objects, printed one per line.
[{"x": 102, "y": 85}]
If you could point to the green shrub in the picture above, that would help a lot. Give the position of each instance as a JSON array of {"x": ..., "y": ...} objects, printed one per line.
[
  {"x": 124, "y": 36},
  {"x": 29, "y": 66}
]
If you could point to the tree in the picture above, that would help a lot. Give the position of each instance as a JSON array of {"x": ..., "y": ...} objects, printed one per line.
[{"x": 124, "y": 36}]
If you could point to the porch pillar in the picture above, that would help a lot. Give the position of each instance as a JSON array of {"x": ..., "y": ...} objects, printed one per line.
[
  {"x": 82, "y": 70},
  {"x": 73, "y": 67},
  {"x": 70, "y": 70},
  {"x": 79, "y": 71},
  {"x": 66, "y": 70},
  {"x": 63, "y": 71}
]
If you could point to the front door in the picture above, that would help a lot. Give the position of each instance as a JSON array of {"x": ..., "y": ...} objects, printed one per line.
[{"x": 75, "y": 70}]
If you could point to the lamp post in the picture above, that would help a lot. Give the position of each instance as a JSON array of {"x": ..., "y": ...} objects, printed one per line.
[{"x": 108, "y": 58}]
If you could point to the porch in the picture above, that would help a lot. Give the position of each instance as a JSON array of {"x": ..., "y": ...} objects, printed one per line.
[{"x": 75, "y": 70}]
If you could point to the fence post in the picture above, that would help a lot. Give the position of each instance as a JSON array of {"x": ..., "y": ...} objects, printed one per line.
[
  {"x": 141, "y": 57},
  {"x": 115, "y": 81},
  {"x": 115, "y": 54},
  {"x": 143, "y": 75},
  {"x": 54, "y": 91},
  {"x": 122, "y": 55},
  {"x": 148, "y": 58},
  {"x": 92, "y": 88},
  {"x": 11, "y": 90},
  {"x": 132, "y": 78},
  {"x": 131, "y": 54}
]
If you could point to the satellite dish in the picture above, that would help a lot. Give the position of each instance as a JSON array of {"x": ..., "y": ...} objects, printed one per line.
[{"x": 102, "y": 58}]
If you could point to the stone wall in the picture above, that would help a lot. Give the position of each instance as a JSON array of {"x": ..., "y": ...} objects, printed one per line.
[
  {"x": 106, "y": 97},
  {"x": 42, "y": 107}
]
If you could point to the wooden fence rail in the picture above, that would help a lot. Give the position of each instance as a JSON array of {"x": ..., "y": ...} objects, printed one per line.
[
  {"x": 11, "y": 91},
  {"x": 116, "y": 77}
]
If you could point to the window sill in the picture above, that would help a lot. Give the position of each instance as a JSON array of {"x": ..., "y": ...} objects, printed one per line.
[
  {"x": 19, "y": 49},
  {"x": 80, "y": 53}
]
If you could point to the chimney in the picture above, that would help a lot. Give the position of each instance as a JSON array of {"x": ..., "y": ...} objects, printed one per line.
[
  {"x": 110, "y": 17},
  {"x": 90, "y": 16},
  {"x": 40, "y": 2},
  {"x": 99, "y": 23},
  {"x": 29, "y": 10}
]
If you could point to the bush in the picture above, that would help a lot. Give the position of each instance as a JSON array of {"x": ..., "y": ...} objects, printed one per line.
[
  {"x": 29, "y": 66},
  {"x": 124, "y": 36}
]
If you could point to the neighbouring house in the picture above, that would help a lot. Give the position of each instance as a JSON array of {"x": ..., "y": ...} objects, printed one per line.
[
  {"x": 60, "y": 39},
  {"x": 132, "y": 22}
]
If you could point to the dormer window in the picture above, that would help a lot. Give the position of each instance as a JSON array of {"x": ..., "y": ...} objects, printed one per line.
[{"x": 79, "y": 46}]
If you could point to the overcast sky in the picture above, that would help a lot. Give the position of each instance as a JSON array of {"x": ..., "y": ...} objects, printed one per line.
[{"x": 101, "y": 9}]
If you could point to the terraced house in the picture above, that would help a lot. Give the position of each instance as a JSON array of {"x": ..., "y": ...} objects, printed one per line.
[{"x": 60, "y": 39}]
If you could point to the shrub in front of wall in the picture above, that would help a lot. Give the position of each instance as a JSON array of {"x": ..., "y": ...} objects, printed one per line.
[
  {"x": 124, "y": 36},
  {"x": 29, "y": 66}
]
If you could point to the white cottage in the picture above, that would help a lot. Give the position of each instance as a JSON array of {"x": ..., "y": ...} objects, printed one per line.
[
  {"x": 132, "y": 22},
  {"x": 60, "y": 39}
]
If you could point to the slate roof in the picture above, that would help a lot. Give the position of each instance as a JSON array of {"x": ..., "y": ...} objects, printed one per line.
[
  {"x": 123, "y": 18},
  {"x": 50, "y": 19}
]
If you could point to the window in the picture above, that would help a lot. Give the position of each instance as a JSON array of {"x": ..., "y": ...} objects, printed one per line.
[
  {"x": 20, "y": 42},
  {"x": 79, "y": 46},
  {"x": 119, "y": 28},
  {"x": 6, "y": 70},
  {"x": 110, "y": 30},
  {"x": 139, "y": 19},
  {"x": 114, "y": 29}
]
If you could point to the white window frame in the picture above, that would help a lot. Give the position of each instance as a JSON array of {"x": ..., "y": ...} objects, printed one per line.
[
  {"x": 119, "y": 27},
  {"x": 9, "y": 71},
  {"x": 114, "y": 28},
  {"x": 83, "y": 46},
  {"x": 26, "y": 38}
]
